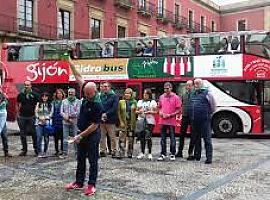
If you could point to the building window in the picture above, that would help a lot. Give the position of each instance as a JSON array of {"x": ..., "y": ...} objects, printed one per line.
[
  {"x": 121, "y": 31},
  {"x": 190, "y": 19},
  {"x": 177, "y": 12},
  {"x": 241, "y": 25},
  {"x": 142, "y": 4},
  {"x": 160, "y": 7},
  {"x": 202, "y": 24},
  {"x": 63, "y": 24},
  {"x": 95, "y": 28},
  {"x": 142, "y": 34},
  {"x": 26, "y": 15},
  {"x": 213, "y": 26}
]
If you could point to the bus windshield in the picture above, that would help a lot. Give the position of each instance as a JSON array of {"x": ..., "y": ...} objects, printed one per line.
[{"x": 258, "y": 44}]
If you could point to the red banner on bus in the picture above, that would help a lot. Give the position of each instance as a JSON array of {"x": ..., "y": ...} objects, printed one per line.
[
  {"x": 256, "y": 67},
  {"x": 40, "y": 72}
]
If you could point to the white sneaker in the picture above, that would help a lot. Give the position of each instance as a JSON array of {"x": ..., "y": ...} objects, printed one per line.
[
  {"x": 140, "y": 156},
  {"x": 150, "y": 157},
  {"x": 161, "y": 158},
  {"x": 172, "y": 158}
]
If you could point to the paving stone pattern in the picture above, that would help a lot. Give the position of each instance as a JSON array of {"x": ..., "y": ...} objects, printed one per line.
[{"x": 240, "y": 171}]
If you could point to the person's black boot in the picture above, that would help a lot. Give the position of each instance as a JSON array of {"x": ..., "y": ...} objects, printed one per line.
[
  {"x": 7, "y": 154},
  {"x": 23, "y": 153},
  {"x": 179, "y": 154}
]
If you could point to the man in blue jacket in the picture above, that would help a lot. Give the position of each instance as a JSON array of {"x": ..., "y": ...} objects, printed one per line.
[
  {"x": 202, "y": 106},
  {"x": 109, "y": 102}
]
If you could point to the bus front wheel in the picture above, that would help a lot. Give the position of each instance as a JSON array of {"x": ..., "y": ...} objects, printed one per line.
[{"x": 225, "y": 125}]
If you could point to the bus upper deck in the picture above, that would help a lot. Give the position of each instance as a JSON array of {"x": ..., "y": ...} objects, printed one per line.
[{"x": 250, "y": 42}]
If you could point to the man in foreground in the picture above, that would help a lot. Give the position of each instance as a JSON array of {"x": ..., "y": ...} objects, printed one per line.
[{"x": 88, "y": 140}]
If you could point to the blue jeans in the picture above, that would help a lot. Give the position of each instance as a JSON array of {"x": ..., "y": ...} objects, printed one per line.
[
  {"x": 40, "y": 130},
  {"x": 202, "y": 130},
  {"x": 3, "y": 119},
  {"x": 68, "y": 131},
  {"x": 163, "y": 141}
]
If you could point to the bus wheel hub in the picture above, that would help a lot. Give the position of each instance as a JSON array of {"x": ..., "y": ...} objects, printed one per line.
[{"x": 225, "y": 125}]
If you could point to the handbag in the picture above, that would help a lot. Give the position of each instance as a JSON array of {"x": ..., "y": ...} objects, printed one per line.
[
  {"x": 140, "y": 127},
  {"x": 49, "y": 129}
]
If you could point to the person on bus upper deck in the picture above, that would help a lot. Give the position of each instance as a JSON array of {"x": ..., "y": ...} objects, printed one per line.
[
  {"x": 181, "y": 48},
  {"x": 185, "y": 122},
  {"x": 27, "y": 101},
  {"x": 202, "y": 106},
  {"x": 109, "y": 102},
  {"x": 235, "y": 44},
  {"x": 139, "y": 49},
  {"x": 88, "y": 140},
  {"x": 169, "y": 106},
  {"x": 13, "y": 54},
  {"x": 223, "y": 45},
  {"x": 3, "y": 120},
  {"x": 149, "y": 50},
  {"x": 107, "y": 51}
]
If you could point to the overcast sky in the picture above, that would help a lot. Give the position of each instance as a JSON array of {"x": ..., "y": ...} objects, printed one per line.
[{"x": 224, "y": 2}]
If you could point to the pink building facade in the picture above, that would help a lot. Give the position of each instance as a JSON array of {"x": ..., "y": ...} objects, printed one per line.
[
  {"x": 31, "y": 20},
  {"x": 246, "y": 16}
]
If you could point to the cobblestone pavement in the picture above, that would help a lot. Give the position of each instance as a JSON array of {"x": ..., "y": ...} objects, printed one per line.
[{"x": 240, "y": 170}]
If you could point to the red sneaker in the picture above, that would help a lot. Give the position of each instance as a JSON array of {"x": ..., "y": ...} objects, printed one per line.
[
  {"x": 90, "y": 190},
  {"x": 73, "y": 186}
]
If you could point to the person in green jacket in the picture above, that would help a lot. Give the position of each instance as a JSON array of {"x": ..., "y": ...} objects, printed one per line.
[
  {"x": 3, "y": 120},
  {"x": 127, "y": 119}
]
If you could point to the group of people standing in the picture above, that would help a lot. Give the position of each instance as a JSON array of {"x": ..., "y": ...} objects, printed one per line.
[
  {"x": 42, "y": 116},
  {"x": 137, "y": 119},
  {"x": 93, "y": 119}
]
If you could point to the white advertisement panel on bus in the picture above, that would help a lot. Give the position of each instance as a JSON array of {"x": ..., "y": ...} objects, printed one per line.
[
  {"x": 102, "y": 69},
  {"x": 218, "y": 66}
]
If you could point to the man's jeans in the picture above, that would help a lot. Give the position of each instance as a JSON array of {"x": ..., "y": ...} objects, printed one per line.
[
  {"x": 202, "y": 130},
  {"x": 183, "y": 132},
  {"x": 68, "y": 131},
  {"x": 163, "y": 141},
  {"x": 26, "y": 125},
  {"x": 90, "y": 150}
]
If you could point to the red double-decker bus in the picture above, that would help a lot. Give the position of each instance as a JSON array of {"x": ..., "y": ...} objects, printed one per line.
[{"x": 234, "y": 65}]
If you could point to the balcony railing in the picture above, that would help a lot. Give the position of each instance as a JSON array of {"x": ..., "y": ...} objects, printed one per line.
[
  {"x": 127, "y": 4},
  {"x": 181, "y": 22},
  {"x": 147, "y": 9},
  {"x": 165, "y": 16},
  {"x": 9, "y": 24}
]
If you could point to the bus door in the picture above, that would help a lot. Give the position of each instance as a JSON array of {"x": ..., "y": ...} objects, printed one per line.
[
  {"x": 137, "y": 89},
  {"x": 266, "y": 106}
]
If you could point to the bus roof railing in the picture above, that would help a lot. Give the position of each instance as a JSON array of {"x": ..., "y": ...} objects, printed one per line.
[{"x": 106, "y": 40}]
